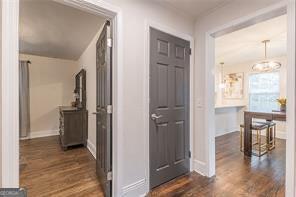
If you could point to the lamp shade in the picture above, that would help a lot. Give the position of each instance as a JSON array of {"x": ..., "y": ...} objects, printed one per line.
[{"x": 266, "y": 65}]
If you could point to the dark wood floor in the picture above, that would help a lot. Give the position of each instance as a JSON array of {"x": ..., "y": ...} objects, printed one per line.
[
  {"x": 236, "y": 175},
  {"x": 46, "y": 170}
]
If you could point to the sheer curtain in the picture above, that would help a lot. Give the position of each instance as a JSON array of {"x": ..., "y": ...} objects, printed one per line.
[{"x": 24, "y": 98}]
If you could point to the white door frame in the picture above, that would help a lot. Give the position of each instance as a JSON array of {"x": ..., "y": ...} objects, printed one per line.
[
  {"x": 261, "y": 15},
  {"x": 10, "y": 75},
  {"x": 146, "y": 96}
]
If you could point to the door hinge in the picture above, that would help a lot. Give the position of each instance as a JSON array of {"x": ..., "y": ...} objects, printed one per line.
[
  {"x": 109, "y": 109},
  {"x": 109, "y": 176},
  {"x": 189, "y": 154},
  {"x": 109, "y": 42},
  {"x": 190, "y": 51}
]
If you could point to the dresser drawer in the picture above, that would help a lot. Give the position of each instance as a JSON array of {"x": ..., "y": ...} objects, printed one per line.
[{"x": 73, "y": 127}]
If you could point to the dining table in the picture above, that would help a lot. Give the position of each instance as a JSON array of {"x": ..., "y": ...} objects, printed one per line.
[{"x": 248, "y": 118}]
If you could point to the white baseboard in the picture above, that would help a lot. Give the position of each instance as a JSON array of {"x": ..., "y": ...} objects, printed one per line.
[
  {"x": 135, "y": 189},
  {"x": 227, "y": 132},
  {"x": 39, "y": 134},
  {"x": 199, "y": 167},
  {"x": 92, "y": 148}
]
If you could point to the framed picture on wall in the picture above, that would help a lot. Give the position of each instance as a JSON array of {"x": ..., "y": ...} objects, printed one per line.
[{"x": 234, "y": 86}]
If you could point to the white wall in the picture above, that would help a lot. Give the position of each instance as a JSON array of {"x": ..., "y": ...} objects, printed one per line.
[
  {"x": 52, "y": 82},
  {"x": 87, "y": 61},
  {"x": 246, "y": 68},
  {"x": 133, "y": 165},
  {"x": 219, "y": 17},
  {"x": 228, "y": 119}
]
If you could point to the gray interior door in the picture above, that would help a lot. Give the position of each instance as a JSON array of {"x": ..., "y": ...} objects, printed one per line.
[
  {"x": 103, "y": 111},
  {"x": 169, "y": 107}
]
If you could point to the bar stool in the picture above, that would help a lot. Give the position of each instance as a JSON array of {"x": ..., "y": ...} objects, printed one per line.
[
  {"x": 262, "y": 147},
  {"x": 271, "y": 134}
]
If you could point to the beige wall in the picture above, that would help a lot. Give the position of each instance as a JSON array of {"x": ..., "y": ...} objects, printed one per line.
[
  {"x": 88, "y": 61},
  {"x": 51, "y": 85}
]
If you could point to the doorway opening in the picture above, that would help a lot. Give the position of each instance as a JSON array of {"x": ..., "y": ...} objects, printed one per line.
[
  {"x": 247, "y": 21},
  {"x": 61, "y": 97},
  {"x": 244, "y": 85}
]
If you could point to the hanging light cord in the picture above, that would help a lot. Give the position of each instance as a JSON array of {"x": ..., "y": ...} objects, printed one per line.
[
  {"x": 265, "y": 48},
  {"x": 222, "y": 70}
]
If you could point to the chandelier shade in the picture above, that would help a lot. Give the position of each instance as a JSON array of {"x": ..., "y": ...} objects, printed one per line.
[{"x": 266, "y": 65}]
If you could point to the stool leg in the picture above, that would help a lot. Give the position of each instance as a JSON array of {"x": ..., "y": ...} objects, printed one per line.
[
  {"x": 241, "y": 140},
  {"x": 259, "y": 142},
  {"x": 274, "y": 135},
  {"x": 268, "y": 130},
  {"x": 257, "y": 137}
]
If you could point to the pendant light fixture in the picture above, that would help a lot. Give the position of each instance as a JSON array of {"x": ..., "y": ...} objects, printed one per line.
[
  {"x": 266, "y": 65},
  {"x": 222, "y": 84}
]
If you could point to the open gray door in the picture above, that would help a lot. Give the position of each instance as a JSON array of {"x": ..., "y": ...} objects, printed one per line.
[
  {"x": 104, "y": 109},
  {"x": 169, "y": 107}
]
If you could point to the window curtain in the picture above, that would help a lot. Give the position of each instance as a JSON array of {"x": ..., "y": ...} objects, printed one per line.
[{"x": 24, "y": 98}]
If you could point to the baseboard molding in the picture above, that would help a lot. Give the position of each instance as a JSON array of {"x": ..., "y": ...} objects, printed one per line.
[
  {"x": 135, "y": 189},
  {"x": 132, "y": 189},
  {"x": 92, "y": 148},
  {"x": 199, "y": 167},
  {"x": 39, "y": 134},
  {"x": 227, "y": 132}
]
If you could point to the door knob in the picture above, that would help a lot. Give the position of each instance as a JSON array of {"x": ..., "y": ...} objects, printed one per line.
[
  {"x": 95, "y": 113},
  {"x": 155, "y": 117}
]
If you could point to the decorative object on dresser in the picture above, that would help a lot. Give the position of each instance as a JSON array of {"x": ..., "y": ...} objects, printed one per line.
[{"x": 74, "y": 119}]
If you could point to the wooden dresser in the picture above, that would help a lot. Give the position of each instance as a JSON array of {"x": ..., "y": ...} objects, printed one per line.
[
  {"x": 73, "y": 126},
  {"x": 74, "y": 120}
]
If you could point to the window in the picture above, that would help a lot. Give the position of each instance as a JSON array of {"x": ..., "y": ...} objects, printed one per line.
[{"x": 264, "y": 89}]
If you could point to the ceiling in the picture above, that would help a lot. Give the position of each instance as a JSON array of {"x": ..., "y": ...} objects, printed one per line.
[
  {"x": 54, "y": 30},
  {"x": 195, "y": 8},
  {"x": 246, "y": 45}
]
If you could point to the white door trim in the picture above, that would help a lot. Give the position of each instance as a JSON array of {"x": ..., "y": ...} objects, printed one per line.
[
  {"x": 291, "y": 105},
  {"x": 261, "y": 15},
  {"x": 10, "y": 94},
  {"x": 10, "y": 107},
  {"x": 146, "y": 96}
]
